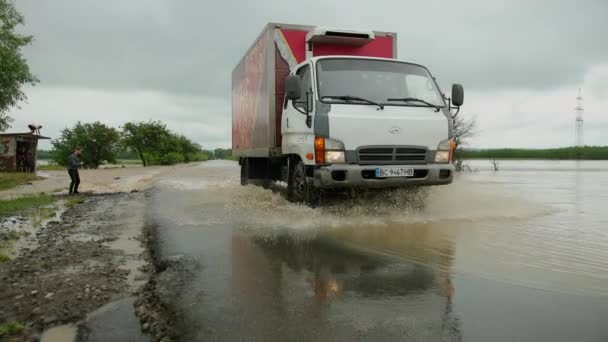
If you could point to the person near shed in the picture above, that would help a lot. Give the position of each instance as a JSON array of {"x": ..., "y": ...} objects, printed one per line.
[{"x": 73, "y": 164}]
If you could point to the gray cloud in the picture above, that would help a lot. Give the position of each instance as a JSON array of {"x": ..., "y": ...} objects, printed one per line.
[
  {"x": 192, "y": 46},
  {"x": 116, "y": 61}
]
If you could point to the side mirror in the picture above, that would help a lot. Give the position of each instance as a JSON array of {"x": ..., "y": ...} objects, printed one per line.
[
  {"x": 457, "y": 95},
  {"x": 293, "y": 87}
]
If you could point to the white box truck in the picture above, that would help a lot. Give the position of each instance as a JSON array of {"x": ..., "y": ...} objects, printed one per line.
[{"x": 324, "y": 108}]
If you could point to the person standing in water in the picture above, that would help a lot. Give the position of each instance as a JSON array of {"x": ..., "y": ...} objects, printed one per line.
[{"x": 73, "y": 164}]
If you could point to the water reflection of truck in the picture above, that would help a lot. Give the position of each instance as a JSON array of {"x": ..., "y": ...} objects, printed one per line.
[
  {"x": 324, "y": 108},
  {"x": 288, "y": 277}
]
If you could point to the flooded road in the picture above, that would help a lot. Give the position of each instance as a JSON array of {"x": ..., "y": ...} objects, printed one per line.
[{"x": 520, "y": 254}]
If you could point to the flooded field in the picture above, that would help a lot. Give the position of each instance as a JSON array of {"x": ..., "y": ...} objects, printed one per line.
[{"x": 519, "y": 254}]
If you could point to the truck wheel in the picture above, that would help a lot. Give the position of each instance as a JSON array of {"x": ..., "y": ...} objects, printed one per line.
[
  {"x": 244, "y": 172},
  {"x": 266, "y": 181},
  {"x": 299, "y": 189}
]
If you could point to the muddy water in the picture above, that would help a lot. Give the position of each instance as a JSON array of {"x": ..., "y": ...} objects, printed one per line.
[{"x": 519, "y": 254}]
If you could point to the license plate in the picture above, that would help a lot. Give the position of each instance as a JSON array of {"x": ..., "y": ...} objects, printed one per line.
[{"x": 382, "y": 172}]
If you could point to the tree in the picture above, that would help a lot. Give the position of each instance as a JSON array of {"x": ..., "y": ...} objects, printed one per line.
[
  {"x": 99, "y": 143},
  {"x": 14, "y": 71},
  {"x": 462, "y": 130},
  {"x": 146, "y": 138}
]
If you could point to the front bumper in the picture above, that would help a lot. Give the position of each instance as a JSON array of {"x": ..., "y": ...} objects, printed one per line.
[{"x": 363, "y": 176}]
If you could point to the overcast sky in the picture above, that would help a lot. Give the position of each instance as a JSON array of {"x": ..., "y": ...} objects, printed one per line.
[{"x": 521, "y": 62}]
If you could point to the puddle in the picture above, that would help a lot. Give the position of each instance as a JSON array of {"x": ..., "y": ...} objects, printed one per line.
[
  {"x": 129, "y": 245},
  {"x": 26, "y": 227},
  {"x": 83, "y": 237},
  {"x": 86, "y": 266},
  {"x": 131, "y": 257},
  {"x": 61, "y": 333},
  {"x": 115, "y": 321},
  {"x": 135, "y": 278}
]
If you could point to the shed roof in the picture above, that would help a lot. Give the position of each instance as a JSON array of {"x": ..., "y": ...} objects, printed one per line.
[{"x": 23, "y": 135}]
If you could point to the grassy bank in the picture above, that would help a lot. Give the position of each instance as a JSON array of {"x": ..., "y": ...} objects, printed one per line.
[
  {"x": 587, "y": 152},
  {"x": 9, "y": 180},
  {"x": 10, "y": 328},
  {"x": 49, "y": 167},
  {"x": 24, "y": 203},
  {"x": 129, "y": 161}
]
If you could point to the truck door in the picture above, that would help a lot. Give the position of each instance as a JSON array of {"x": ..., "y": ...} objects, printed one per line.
[
  {"x": 297, "y": 133},
  {"x": 307, "y": 94}
]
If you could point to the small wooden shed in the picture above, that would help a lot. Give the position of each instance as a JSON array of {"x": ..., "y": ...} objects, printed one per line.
[{"x": 18, "y": 151}]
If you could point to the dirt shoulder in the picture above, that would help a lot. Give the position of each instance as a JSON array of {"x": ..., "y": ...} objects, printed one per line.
[
  {"x": 90, "y": 256},
  {"x": 99, "y": 181}
]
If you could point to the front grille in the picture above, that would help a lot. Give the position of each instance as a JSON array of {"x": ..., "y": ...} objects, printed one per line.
[{"x": 392, "y": 155}]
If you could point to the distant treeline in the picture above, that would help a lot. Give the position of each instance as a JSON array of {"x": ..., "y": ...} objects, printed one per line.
[
  {"x": 223, "y": 153},
  {"x": 218, "y": 153},
  {"x": 44, "y": 154},
  {"x": 586, "y": 152}
]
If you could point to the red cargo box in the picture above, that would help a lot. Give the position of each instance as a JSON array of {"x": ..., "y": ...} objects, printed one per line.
[{"x": 258, "y": 81}]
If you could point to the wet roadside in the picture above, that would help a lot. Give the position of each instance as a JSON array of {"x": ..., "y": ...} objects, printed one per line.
[{"x": 81, "y": 274}]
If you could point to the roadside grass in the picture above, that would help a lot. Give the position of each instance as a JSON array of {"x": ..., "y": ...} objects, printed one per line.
[
  {"x": 129, "y": 161},
  {"x": 12, "y": 236},
  {"x": 50, "y": 167},
  {"x": 3, "y": 258},
  {"x": 24, "y": 203},
  {"x": 9, "y": 180},
  {"x": 10, "y": 328},
  {"x": 74, "y": 201}
]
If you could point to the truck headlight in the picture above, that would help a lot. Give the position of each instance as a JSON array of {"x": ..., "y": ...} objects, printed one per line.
[
  {"x": 334, "y": 157},
  {"x": 329, "y": 151},
  {"x": 445, "y": 151},
  {"x": 442, "y": 157}
]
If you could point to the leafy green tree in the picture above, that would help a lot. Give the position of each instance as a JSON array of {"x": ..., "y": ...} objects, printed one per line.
[
  {"x": 146, "y": 139},
  {"x": 99, "y": 143},
  {"x": 14, "y": 71}
]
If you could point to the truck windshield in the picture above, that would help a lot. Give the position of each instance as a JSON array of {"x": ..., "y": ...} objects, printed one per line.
[{"x": 377, "y": 81}]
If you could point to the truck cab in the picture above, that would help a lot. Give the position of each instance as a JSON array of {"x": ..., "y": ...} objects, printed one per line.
[{"x": 356, "y": 120}]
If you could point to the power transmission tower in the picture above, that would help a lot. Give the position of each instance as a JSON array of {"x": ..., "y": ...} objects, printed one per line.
[{"x": 579, "y": 139}]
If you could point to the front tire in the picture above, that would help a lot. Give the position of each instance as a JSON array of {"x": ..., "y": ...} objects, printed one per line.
[{"x": 299, "y": 189}]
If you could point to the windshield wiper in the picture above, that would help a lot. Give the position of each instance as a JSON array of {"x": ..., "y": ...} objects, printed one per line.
[
  {"x": 413, "y": 99},
  {"x": 349, "y": 98}
]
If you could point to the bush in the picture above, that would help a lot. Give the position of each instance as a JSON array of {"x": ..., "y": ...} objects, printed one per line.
[{"x": 171, "y": 158}]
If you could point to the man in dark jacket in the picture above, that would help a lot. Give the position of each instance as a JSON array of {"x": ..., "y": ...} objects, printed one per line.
[{"x": 73, "y": 164}]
